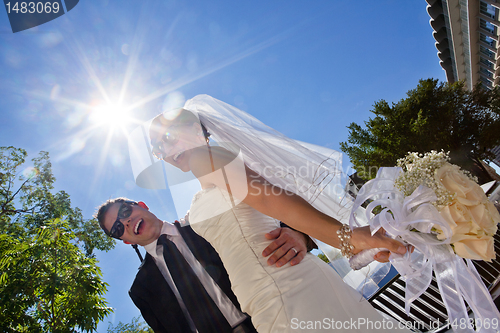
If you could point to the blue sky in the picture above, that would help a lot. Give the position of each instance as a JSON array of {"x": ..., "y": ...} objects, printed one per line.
[{"x": 306, "y": 68}]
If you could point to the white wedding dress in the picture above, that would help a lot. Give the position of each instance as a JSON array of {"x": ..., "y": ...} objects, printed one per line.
[{"x": 308, "y": 297}]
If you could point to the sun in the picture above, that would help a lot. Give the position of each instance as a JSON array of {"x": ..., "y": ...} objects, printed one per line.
[{"x": 110, "y": 115}]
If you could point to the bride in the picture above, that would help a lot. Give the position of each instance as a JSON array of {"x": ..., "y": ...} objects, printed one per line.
[{"x": 255, "y": 178}]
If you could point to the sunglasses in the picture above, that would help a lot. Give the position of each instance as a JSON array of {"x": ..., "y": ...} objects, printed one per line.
[
  {"x": 124, "y": 212},
  {"x": 166, "y": 140}
]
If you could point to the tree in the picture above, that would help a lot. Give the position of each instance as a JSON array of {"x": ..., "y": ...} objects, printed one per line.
[
  {"x": 49, "y": 284},
  {"x": 434, "y": 116},
  {"x": 134, "y": 327},
  {"x": 49, "y": 279},
  {"x": 26, "y": 201}
]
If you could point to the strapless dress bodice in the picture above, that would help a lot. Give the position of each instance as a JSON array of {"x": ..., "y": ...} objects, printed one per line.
[{"x": 278, "y": 299}]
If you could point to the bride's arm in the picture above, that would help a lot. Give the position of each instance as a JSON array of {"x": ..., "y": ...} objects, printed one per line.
[
  {"x": 299, "y": 214},
  {"x": 279, "y": 203}
]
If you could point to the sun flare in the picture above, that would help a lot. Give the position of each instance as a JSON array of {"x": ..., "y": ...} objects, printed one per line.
[{"x": 112, "y": 115}]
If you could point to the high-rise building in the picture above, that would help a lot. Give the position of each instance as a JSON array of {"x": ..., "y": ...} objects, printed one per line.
[
  {"x": 466, "y": 34},
  {"x": 467, "y": 39}
]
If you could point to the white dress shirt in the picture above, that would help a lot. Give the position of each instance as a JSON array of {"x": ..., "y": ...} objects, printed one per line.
[{"x": 227, "y": 308}]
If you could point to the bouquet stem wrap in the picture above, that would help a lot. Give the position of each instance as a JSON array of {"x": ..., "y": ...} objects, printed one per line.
[{"x": 410, "y": 220}]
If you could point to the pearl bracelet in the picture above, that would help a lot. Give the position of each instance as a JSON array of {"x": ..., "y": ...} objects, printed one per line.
[{"x": 344, "y": 234}]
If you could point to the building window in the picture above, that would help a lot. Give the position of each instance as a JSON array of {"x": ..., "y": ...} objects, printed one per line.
[
  {"x": 485, "y": 81},
  {"x": 487, "y": 52},
  {"x": 484, "y": 86},
  {"x": 487, "y": 63},
  {"x": 487, "y": 26},
  {"x": 488, "y": 40},
  {"x": 485, "y": 72},
  {"x": 487, "y": 9}
]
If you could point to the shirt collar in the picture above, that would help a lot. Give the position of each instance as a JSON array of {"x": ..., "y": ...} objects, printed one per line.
[{"x": 168, "y": 229}]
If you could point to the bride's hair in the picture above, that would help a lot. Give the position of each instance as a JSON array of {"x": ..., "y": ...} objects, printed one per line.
[{"x": 177, "y": 116}]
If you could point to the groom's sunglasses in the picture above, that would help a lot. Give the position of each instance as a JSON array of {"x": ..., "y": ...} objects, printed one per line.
[{"x": 124, "y": 212}]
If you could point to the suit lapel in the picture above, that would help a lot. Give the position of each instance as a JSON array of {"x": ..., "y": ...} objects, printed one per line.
[
  {"x": 158, "y": 304},
  {"x": 209, "y": 259}
]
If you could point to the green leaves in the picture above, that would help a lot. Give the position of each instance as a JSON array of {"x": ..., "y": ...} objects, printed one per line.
[
  {"x": 49, "y": 279},
  {"x": 48, "y": 283},
  {"x": 133, "y": 327},
  {"x": 433, "y": 116}
]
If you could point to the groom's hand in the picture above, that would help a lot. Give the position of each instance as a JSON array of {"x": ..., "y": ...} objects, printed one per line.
[{"x": 288, "y": 246}]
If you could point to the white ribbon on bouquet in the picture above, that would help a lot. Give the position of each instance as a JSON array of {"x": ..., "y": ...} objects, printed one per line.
[{"x": 411, "y": 219}]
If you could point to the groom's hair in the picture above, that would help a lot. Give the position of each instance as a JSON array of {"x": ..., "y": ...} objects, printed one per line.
[{"x": 102, "y": 209}]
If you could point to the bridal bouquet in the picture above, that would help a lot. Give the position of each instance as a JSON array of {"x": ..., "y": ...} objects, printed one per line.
[
  {"x": 443, "y": 213},
  {"x": 460, "y": 201}
]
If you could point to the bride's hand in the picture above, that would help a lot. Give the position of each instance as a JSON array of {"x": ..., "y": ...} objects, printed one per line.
[{"x": 362, "y": 239}]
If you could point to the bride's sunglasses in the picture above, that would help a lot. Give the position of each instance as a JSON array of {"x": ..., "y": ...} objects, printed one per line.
[
  {"x": 124, "y": 212},
  {"x": 167, "y": 140}
]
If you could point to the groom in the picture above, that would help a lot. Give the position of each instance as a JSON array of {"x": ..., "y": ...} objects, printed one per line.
[{"x": 182, "y": 285}]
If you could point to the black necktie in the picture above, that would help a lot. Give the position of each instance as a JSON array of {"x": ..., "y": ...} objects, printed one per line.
[{"x": 202, "y": 309}]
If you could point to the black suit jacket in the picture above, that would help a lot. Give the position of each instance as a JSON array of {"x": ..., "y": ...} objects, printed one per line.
[{"x": 153, "y": 296}]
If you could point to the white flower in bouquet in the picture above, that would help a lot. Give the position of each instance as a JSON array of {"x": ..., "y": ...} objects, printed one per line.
[
  {"x": 442, "y": 211},
  {"x": 460, "y": 201}
]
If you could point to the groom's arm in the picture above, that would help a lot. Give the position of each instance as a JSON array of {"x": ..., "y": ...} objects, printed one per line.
[{"x": 289, "y": 245}]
